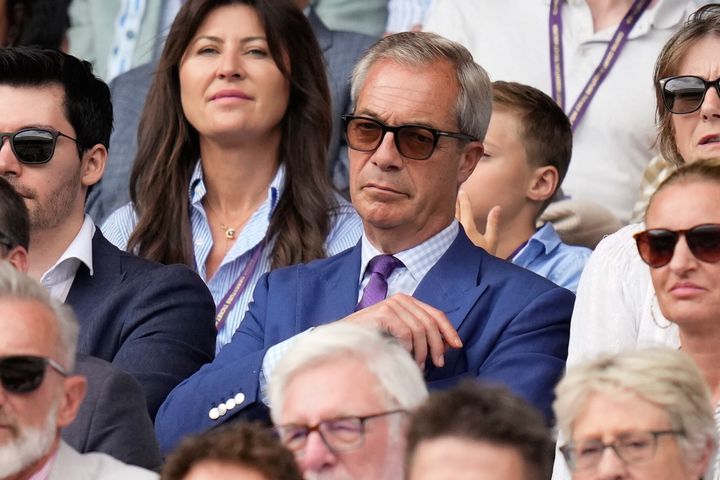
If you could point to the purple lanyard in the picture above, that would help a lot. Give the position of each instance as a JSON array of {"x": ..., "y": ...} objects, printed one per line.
[
  {"x": 232, "y": 295},
  {"x": 557, "y": 74}
]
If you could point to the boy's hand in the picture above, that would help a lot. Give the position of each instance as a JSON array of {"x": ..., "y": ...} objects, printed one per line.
[{"x": 463, "y": 212}]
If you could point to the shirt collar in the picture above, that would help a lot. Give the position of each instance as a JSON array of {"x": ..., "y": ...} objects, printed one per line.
[
  {"x": 419, "y": 259},
  {"x": 547, "y": 237},
  {"x": 78, "y": 252},
  {"x": 197, "y": 186}
]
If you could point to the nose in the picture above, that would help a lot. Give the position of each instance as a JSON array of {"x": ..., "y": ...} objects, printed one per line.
[
  {"x": 710, "y": 107},
  {"x": 230, "y": 64},
  {"x": 683, "y": 259},
  {"x": 610, "y": 467},
  {"x": 386, "y": 156},
  {"x": 316, "y": 456},
  {"x": 9, "y": 164}
]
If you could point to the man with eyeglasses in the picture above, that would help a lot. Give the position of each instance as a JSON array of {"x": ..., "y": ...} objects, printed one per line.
[
  {"x": 38, "y": 393},
  {"x": 421, "y": 110},
  {"x": 154, "y": 321},
  {"x": 341, "y": 400}
]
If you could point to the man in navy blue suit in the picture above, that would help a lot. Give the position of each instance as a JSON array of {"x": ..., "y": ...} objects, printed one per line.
[
  {"x": 153, "y": 321},
  {"x": 421, "y": 110}
]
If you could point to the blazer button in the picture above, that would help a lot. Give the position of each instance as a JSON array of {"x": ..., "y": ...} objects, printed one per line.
[
  {"x": 239, "y": 399},
  {"x": 230, "y": 403},
  {"x": 214, "y": 414},
  {"x": 222, "y": 409}
]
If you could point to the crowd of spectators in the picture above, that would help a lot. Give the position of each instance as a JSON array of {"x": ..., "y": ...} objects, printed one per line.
[{"x": 331, "y": 239}]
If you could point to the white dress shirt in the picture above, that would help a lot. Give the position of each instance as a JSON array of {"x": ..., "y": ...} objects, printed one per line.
[{"x": 59, "y": 278}]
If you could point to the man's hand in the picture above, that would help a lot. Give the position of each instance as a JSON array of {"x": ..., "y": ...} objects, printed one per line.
[
  {"x": 420, "y": 328},
  {"x": 464, "y": 214}
]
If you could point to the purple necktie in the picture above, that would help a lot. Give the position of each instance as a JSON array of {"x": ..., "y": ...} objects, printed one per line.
[{"x": 380, "y": 268}]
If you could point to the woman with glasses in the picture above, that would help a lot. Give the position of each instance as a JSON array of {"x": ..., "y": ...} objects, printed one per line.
[
  {"x": 230, "y": 174},
  {"x": 616, "y": 306},
  {"x": 642, "y": 415}
]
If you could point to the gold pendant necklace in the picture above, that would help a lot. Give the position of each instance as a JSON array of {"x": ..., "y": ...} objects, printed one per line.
[{"x": 229, "y": 231}]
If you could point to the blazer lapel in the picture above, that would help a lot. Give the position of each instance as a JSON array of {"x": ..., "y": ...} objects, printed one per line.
[
  {"x": 322, "y": 34},
  {"x": 87, "y": 292},
  {"x": 453, "y": 285},
  {"x": 335, "y": 294}
]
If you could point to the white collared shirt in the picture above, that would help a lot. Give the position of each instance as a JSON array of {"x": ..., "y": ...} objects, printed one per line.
[{"x": 59, "y": 278}]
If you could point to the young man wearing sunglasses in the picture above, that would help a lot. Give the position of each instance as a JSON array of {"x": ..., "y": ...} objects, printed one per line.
[
  {"x": 123, "y": 430},
  {"x": 38, "y": 393},
  {"x": 422, "y": 108},
  {"x": 156, "y": 322}
]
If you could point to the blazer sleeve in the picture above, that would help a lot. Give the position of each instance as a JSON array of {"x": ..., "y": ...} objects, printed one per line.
[
  {"x": 165, "y": 341},
  {"x": 529, "y": 355},
  {"x": 227, "y": 386}
]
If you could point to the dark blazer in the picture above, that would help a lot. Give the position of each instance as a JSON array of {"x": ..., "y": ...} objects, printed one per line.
[
  {"x": 514, "y": 326},
  {"x": 113, "y": 417},
  {"x": 154, "y": 321},
  {"x": 129, "y": 90}
]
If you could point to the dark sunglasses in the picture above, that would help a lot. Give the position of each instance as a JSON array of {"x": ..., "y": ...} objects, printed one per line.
[
  {"x": 416, "y": 142},
  {"x": 657, "y": 245},
  {"x": 25, "y": 373},
  {"x": 33, "y": 146},
  {"x": 686, "y": 93}
]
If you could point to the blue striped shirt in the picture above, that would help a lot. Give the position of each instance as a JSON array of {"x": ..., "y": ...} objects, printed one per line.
[{"x": 344, "y": 233}]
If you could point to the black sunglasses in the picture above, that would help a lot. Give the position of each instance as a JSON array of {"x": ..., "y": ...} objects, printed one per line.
[
  {"x": 686, "y": 93},
  {"x": 25, "y": 373},
  {"x": 33, "y": 146},
  {"x": 657, "y": 245},
  {"x": 416, "y": 142}
]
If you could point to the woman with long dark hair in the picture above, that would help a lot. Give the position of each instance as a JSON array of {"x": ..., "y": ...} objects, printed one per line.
[{"x": 230, "y": 174}]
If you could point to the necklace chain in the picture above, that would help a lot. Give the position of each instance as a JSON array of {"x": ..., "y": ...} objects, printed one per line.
[{"x": 229, "y": 230}]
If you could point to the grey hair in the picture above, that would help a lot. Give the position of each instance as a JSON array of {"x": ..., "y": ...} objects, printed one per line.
[
  {"x": 397, "y": 373},
  {"x": 423, "y": 49},
  {"x": 662, "y": 376},
  {"x": 15, "y": 285}
]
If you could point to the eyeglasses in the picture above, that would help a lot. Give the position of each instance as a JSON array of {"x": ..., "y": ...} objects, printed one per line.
[
  {"x": 33, "y": 146},
  {"x": 339, "y": 434},
  {"x": 657, "y": 246},
  {"x": 416, "y": 142},
  {"x": 631, "y": 447},
  {"x": 686, "y": 93},
  {"x": 25, "y": 373}
]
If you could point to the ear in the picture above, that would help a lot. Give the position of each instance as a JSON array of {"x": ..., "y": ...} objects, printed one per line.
[
  {"x": 74, "y": 388},
  {"x": 470, "y": 155},
  {"x": 18, "y": 258},
  {"x": 703, "y": 461},
  {"x": 543, "y": 183},
  {"x": 93, "y": 165}
]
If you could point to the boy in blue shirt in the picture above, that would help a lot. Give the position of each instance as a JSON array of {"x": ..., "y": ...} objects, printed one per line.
[{"x": 527, "y": 153}]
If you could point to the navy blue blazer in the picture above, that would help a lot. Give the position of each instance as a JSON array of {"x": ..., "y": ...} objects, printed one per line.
[
  {"x": 514, "y": 326},
  {"x": 154, "y": 321}
]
